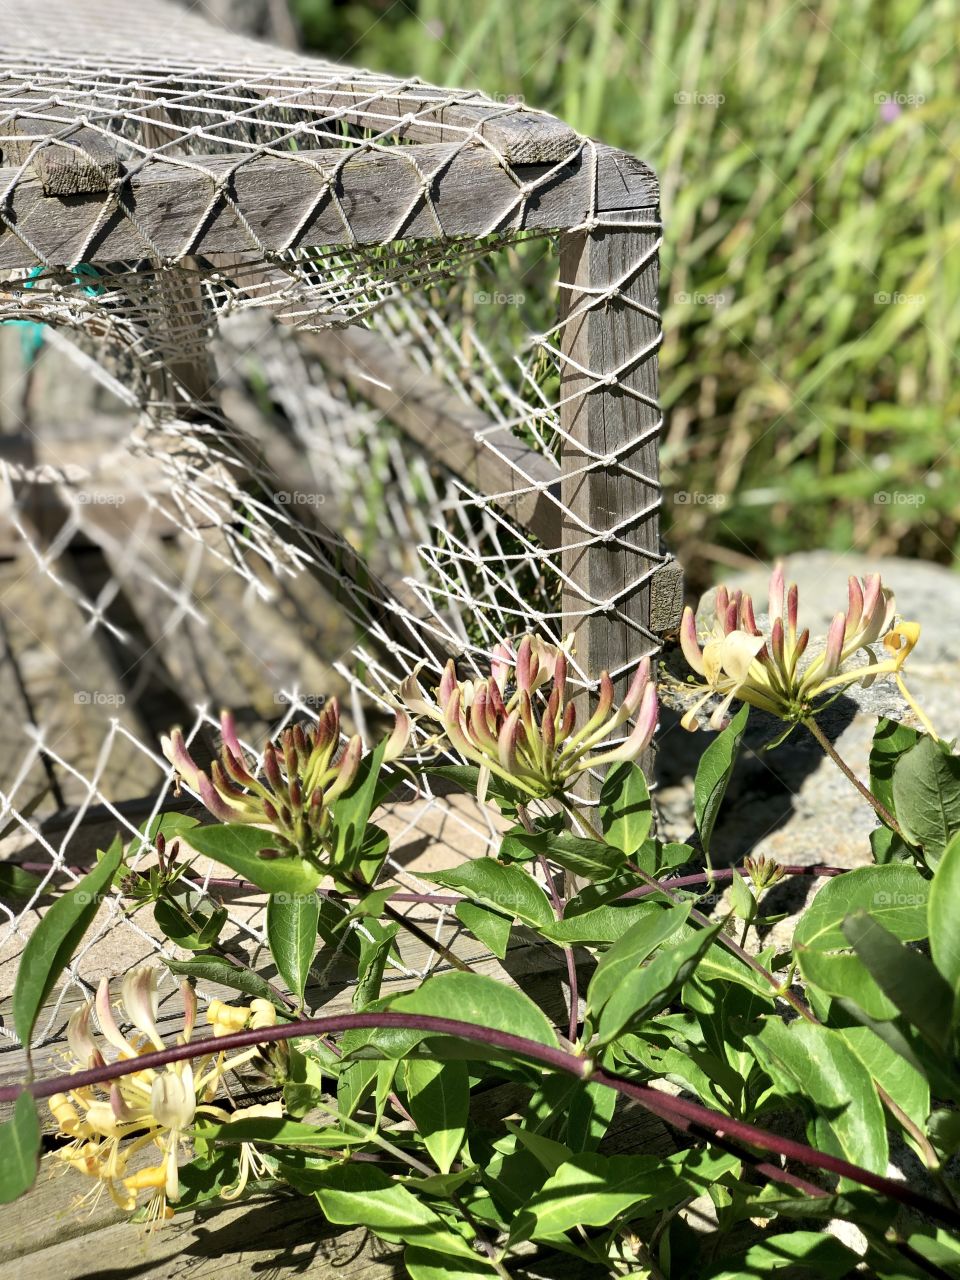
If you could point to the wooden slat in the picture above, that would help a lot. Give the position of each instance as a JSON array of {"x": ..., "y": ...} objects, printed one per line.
[
  {"x": 378, "y": 103},
  {"x": 457, "y": 435},
  {"x": 286, "y": 202}
]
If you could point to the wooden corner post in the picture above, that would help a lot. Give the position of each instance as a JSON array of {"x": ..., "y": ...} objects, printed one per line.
[{"x": 609, "y": 309}]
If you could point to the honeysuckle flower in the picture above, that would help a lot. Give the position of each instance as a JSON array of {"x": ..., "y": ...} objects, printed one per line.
[
  {"x": 766, "y": 669},
  {"x": 108, "y": 1125},
  {"x": 228, "y": 1018},
  {"x": 519, "y": 726},
  {"x": 302, "y": 774}
]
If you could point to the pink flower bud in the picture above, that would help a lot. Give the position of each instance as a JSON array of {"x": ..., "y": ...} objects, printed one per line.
[
  {"x": 834, "y": 648},
  {"x": 688, "y": 643},
  {"x": 399, "y": 737},
  {"x": 228, "y": 730},
  {"x": 141, "y": 1002},
  {"x": 775, "y": 603},
  {"x": 108, "y": 1027},
  {"x": 508, "y": 742},
  {"x": 217, "y": 805},
  {"x": 81, "y": 1042},
  {"x": 175, "y": 749},
  {"x": 855, "y": 604}
]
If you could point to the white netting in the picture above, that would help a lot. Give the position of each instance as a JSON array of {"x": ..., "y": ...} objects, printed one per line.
[{"x": 402, "y": 452}]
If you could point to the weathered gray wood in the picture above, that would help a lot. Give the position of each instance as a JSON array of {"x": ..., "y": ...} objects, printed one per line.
[
  {"x": 608, "y": 607},
  {"x": 68, "y": 159},
  {"x": 454, "y": 433},
  {"x": 666, "y": 598},
  {"x": 287, "y": 202}
]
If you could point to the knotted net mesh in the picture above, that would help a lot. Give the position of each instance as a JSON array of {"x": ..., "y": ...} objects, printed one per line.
[{"x": 309, "y": 375}]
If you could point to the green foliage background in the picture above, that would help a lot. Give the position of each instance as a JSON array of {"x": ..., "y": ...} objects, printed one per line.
[{"x": 802, "y": 408}]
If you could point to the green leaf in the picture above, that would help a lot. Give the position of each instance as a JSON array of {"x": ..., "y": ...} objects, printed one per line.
[
  {"x": 504, "y": 888},
  {"x": 427, "y": 1264},
  {"x": 374, "y": 953},
  {"x": 17, "y": 885},
  {"x": 895, "y": 896},
  {"x": 278, "y": 1131},
  {"x": 816, "y": 1254},
  {"x": 602, "y": 925},
  {"x": 890, "y": 741},
  {"x": 292, "y": 920},
  {"x": 438, "y": 1095},
  {"x": 743, "y": 902},
  {"x": 589, "y": 1113},
  {"x": 374, "y": 847},
  {"x": 592, "y": 1190},
  {"x": 625, "y": 956},
  {"x": 467, "y": 776},
  {"x": 647, "y": 990},
  {"x": 359, "y": 1194},
  {"x": 189, "y": 918},
  {"x": 351, "y": 811},
  {"x": 817, "y": 1063},
  {"x": 211, "y": 968},
  {"x": 581, "y": 856},
  {"x": 905, "y": 977},
  {"x": 19, "y": 1149},
  {"x": 625, "y": 812},
  {"x": 489, "y": 927},
  {"x": 238, "y": 846},
  {"x": 482, "y": 1001},
  {"x": 57, "y": 937},
  {"x": 713, "y": 775},
  {"x": 926, "y": 796},
  {"x": 904, "y": 1083},
  {"x": 943, "y": 917},
  {"x": 886, "y": 846},
  {"x": 208, "y": 1176}
]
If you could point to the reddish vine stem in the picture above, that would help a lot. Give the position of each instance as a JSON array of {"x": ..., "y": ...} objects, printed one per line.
[{"x": 690, "y": 1117}]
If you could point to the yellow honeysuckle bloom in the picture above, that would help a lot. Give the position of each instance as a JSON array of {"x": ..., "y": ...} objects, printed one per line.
[
  {"x": 148, "y": 1108},
  {"x": 766, "y": 669}
]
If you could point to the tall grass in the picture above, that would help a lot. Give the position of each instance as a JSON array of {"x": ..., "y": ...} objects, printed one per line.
[{"x": 803, "y": 408}]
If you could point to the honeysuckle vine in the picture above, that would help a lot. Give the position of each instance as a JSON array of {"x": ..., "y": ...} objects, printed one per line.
[
  {"x": 661, "y": 979},
  {"x": 689, "y": 1117}
]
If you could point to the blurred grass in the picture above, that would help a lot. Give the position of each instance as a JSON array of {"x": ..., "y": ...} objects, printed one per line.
[{"x": 802, "y": 410}]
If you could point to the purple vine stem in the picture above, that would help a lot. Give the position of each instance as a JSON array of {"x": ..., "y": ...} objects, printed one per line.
[
  {"x": 451, "y": 899},
  {"x": 689, "y": 1117}
]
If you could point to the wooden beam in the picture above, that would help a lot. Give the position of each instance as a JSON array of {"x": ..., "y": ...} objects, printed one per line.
[
  {"x": 170, "y": 210},
  {"x": 610, "y": 458},
  {"x": 486, "y": 456},
  {"x": 332, "y": 94}
]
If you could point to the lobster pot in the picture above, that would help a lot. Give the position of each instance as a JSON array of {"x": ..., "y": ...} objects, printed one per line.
[{"x": 310, "y": 376}]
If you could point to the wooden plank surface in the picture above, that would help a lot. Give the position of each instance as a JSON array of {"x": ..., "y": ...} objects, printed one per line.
[
  {"x": 610, "y": 458},
  {"x": 172, "y": 210}
]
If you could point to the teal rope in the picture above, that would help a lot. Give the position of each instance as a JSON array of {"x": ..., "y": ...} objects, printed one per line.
[{"x": 31, "y": 339}]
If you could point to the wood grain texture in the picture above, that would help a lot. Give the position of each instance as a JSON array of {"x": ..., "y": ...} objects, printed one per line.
[
  {"x": 614, "y": 506},
  {"x": 169, "y": 210}
]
